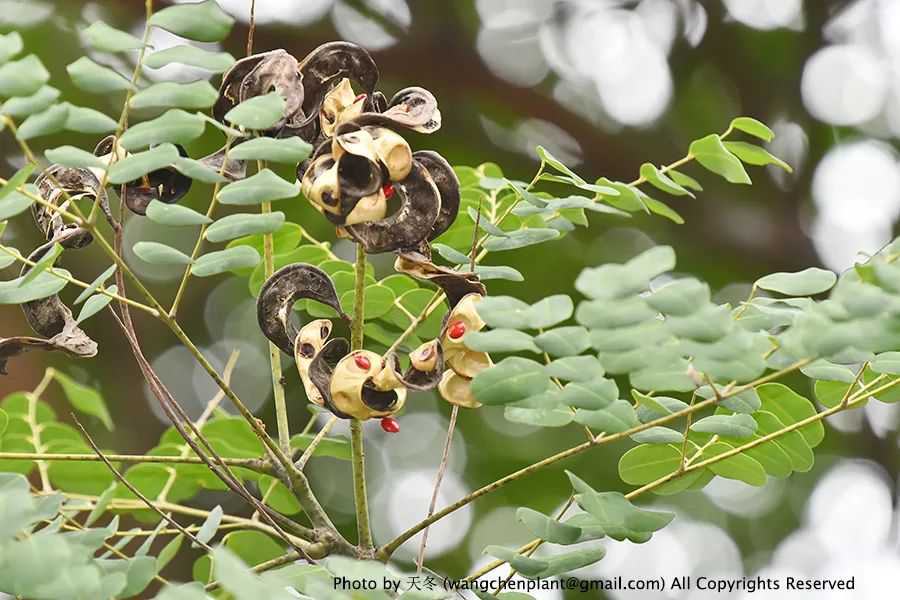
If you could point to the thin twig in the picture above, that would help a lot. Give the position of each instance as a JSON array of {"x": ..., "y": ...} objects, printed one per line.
[
  {"x": 137, "y": 492},
  {"x": 439, "y": 477},
  {"x": 314, "y": 443}
]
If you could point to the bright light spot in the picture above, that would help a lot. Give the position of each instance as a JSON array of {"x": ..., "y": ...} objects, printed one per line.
[
  {"x": 766, "y": 14},
  {"x": 744, "y": 500},
  {"x": 847, "y": 491},
  {"x": 844, "y": 84},
  {"x": 856, "y": 189},
  {"x": 527, "y": 134},
  {"x": 405, "y": 501},
  {"x": 357, "y": 28},
  {"x": 882, "y": 417},
  {"x": 161, "y": 39},
  {"x": 420, "y": 442},
  {"x": 513, "y": 53},
  {"x": 269, "y": 11}
]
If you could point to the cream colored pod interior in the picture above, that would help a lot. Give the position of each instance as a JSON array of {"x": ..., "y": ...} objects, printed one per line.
[
  {"x": 368, "y": 209},
  {"x": 357, "y": 142},
  {"x": 457, "y": 355},
  {"x": 457, "y": 390},
  {"x": 392, "y": 150},
  {"x": 347, "y": 385},
  {"x": 424, "y": 358},
  {"x": 340, "y": 105},
  {"x": 320, "y": 183},
  {"x": 307, "y": 345}
]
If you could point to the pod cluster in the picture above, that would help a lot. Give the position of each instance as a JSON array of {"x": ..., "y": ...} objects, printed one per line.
[{"x": 364, "y": 178}]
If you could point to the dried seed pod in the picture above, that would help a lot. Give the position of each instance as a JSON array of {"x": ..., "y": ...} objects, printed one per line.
[
  {"x": 411, "y": 223},
  {"x": 455, "y": 284},
  {"x": 234, "y": 169},
  {"x": 412, "y": 108},
  {"x": 462, "y": 319},
  {"x": 319, "y": 184},
  {"x": 50, "y": 317},
  {"x": 59, "y": 185},
  {"x": 393, "y": 151},
  {"x": 308, "y": 343},
  {"x": 447, "y": 183},
  {"x": 340, "y": 105},
  {"x": 425, "y": 368},
  {"x": 321, "y": 370},
  {"x": 368, "y": 209},
  {"x": 363, "y": 386},
  {"x": 456, "y": 389},
  {"x": 261, "y": 74},
  {"x": 166, "y": 184},
  {"x": 71, "y": 340},
  {"x": 284, "y": 288},
  {"x": 322, "y": 68}
]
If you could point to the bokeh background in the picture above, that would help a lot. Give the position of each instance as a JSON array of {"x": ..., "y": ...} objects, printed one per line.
[{"x": 605, "y": 85}]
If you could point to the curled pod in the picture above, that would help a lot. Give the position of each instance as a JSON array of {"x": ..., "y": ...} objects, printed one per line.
[
  {"x": 335, "y": 187},
  {"x": 377, "y": 144},
  {"x": 447, "y": 183},
  {"x": 340, "y": 104},
  {"x": 462, "y": 319},
  {"x": 455, "y": 284},
  {"x": 319, "y": 184},
  {"x": 166, "y": 184},
  {"x": 326, "y": 66},
  {"x": 230, "y": 168},
  {"x": 59, "y": 185},
  {"x": 456, "y": 389},
  {"x": 261, "y": 74},
  {"x": 365, "y": 386},
  {"x": 426, "y": 364},
  {"x": 412, "y": 221},
  {"x": 50, "y": 317},
  {"x": 279, "y": 294},
  {"x": 321, "y": 370},
  {"x": 412, "y": 108},
  {"x": 68, "y": 341},
  {"x": 308, "y": 343}
]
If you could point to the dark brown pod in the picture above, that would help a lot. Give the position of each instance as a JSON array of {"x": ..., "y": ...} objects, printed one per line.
[
  {"x": 321, "y": 370},
  {"x": 166, "y": 184},
  {"x": 425, "y": 369},
  {"x": 50, "y": 317},
  {"x": 455, "y": 284},
  {"x": 411, "y": 223},
  {"x": 57, "y": 185},
  {"x": 327, "y": 65},
  {"x": 234, "y": 169},
  {"x": 70, "y": 340},
  {"x": 279, "y": 294},
  {"x": 447, "y": 183},
  {"x": 411, "y": 108},
  {"x": 261, "y": 74}
]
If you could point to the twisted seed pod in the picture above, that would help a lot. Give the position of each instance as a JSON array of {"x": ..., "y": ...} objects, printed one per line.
[
  {"x": 59, "y": 185},
  {"x": 279, "y": 294}
]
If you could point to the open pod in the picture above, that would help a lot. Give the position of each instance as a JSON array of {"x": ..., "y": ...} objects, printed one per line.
[
  {"x": 49, "y": 317},
  {"x": 59, "y": 186},
  {"x": 456, "y": 285},
  {"x": 358, "y": 384},
  {"x": 279, "y": 294},
  {"x": 261, "y": 74},
  {"x": 167, "y": 185},
  {"x": 426, "y": 364},
  {"x": 462, "y": 363}
]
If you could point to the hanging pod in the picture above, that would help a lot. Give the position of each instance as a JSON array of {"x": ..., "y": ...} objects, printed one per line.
[
  {"x": 49, "y": 317},
  {"x": 462, "y": 362},
  {"x": 59, "y": 186},
  {"x": 166, "y": 185},
  {"x": 279, "y": 294},
  {"x": 455, "y": 284},
  {"x": 258, "y": 75}
]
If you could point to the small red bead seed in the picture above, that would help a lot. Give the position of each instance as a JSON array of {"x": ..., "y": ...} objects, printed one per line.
[
  {"x": 390, "y": 425},
  {"x": 388, "y": 190},
  {"x": 362, "y": 362},
  {"x": 457, "y": 330},
  {"x": 358, "y": 98}
]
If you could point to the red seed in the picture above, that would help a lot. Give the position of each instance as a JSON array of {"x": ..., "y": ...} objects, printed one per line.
[
  {"x": 388, "y": 190},
  {"x": 390, "y": 425},
  {"x": 358, "y": 98},
  {"x": 362, "y": 362},
  {"x": 457, "y": 330}
]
